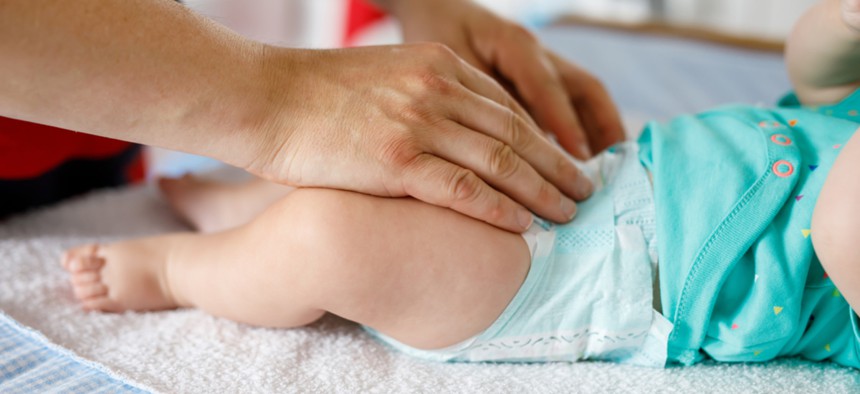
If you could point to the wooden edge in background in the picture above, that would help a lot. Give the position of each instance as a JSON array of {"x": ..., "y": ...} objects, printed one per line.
[{"x": 686, "y": 32}]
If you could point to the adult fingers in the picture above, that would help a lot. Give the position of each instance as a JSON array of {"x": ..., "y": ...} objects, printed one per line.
[
  {"x": 499, "y": 165},
  {"x": 479, "y": 81},
  {"x": 521, "y": 60},
  {"x": 439, "y": 182},
  {"x": 467, "y": 55},
  {"x": 597, "y": 112},
  {"x": 488, "y": 144},
  {"x": 512, "y": 130}
]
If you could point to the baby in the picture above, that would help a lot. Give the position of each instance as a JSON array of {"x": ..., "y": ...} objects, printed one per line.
[{"x": 728, "y": 204}]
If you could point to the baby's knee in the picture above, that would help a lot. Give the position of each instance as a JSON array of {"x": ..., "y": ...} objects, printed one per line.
[
  {"x": 317, "y": 226},
  {"x": 310, "y": 217}
]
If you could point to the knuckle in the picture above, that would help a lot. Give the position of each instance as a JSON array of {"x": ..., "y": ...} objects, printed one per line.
[
  {"x": 502, "y": 160},
  {"x": 438, "y": 50},
  {"x": 435, "y": 83},
  {"x": 417, "y": 115},
  {"x": 400, "y": 152},
  {"x": 464, "y": 186},
  {"x": 495, "y": 213},
  {"x": 518, "y": 131},
  {"x": 420, "y": 177}
]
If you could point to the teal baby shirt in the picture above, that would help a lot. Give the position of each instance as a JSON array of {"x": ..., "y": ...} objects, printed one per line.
[{"x": 734, "y": 191}]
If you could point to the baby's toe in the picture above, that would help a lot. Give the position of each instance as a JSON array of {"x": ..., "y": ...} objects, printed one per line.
[
  {"x": 86, "y": 277},
  {"x": 86, "y": 263},
  {"x": 77, "y": 253},
  {"x": 90, "y": 290}
]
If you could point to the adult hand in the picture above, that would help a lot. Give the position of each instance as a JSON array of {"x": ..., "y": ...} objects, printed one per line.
[
  {"x": 392, "y": 121},
  {"x": 562, "y": 98},
  {"x": 413, "y": 120}
]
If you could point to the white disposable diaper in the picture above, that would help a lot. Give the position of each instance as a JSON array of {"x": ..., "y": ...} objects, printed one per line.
[{"x": 588, "y": 293}]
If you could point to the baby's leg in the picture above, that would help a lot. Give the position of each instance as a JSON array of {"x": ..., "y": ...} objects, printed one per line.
[
  {"x": 424, "y": 275},
  {"x": 210, "y": 206},
  {"x": 836, "y": 223}
]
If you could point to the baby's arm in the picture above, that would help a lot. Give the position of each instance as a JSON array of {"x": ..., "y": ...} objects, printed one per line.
[{"x": 823, "y": 52}]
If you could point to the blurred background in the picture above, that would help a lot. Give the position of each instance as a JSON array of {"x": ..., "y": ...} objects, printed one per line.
[{"x": 321, "y": 23}]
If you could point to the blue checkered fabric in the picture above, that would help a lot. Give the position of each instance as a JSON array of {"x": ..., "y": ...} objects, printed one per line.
[{"x": 29, "y": 363}]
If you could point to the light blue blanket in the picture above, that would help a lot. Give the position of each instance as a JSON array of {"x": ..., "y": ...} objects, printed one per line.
[{"x": 29, "y": 363}]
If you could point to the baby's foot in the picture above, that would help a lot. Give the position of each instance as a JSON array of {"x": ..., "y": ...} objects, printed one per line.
[
  {"x": 204, "y": 205},
  {"x": 120, "y": 277},
  {"x": 851, "y": 14}
]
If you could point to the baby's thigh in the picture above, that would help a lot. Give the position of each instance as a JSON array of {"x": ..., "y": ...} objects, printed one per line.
[
  {"x": 426, "y": 276},
  {"x": 836, "y": 223}
]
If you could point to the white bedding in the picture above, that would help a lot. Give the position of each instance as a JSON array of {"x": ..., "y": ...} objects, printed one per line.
[{"x": 188, "y": 351}]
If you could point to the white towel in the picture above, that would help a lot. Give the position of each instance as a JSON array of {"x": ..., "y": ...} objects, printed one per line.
[{"x": 188, "y": 351}]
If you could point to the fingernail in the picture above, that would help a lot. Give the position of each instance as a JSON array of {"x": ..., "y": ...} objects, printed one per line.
[
  {"x": 524, "y": 217},
  {"x": 584, "y": 185},
  {"x": 568, "y": 207},
  {"x": 75, "y": 265}
]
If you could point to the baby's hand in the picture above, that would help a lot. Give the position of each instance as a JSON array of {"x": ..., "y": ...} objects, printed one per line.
[{"x": 851, "y": 14}]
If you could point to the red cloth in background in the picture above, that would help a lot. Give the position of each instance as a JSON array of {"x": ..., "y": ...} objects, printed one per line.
[
  {"x": 28, "y": 150},
  {"x": 359, "y": 15}
]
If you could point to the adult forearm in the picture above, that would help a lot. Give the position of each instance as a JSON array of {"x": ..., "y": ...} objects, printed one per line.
[{"x": 138, "y": 70}]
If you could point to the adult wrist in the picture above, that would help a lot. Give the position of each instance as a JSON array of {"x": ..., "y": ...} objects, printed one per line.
[{"x": 274, "y": 109}]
